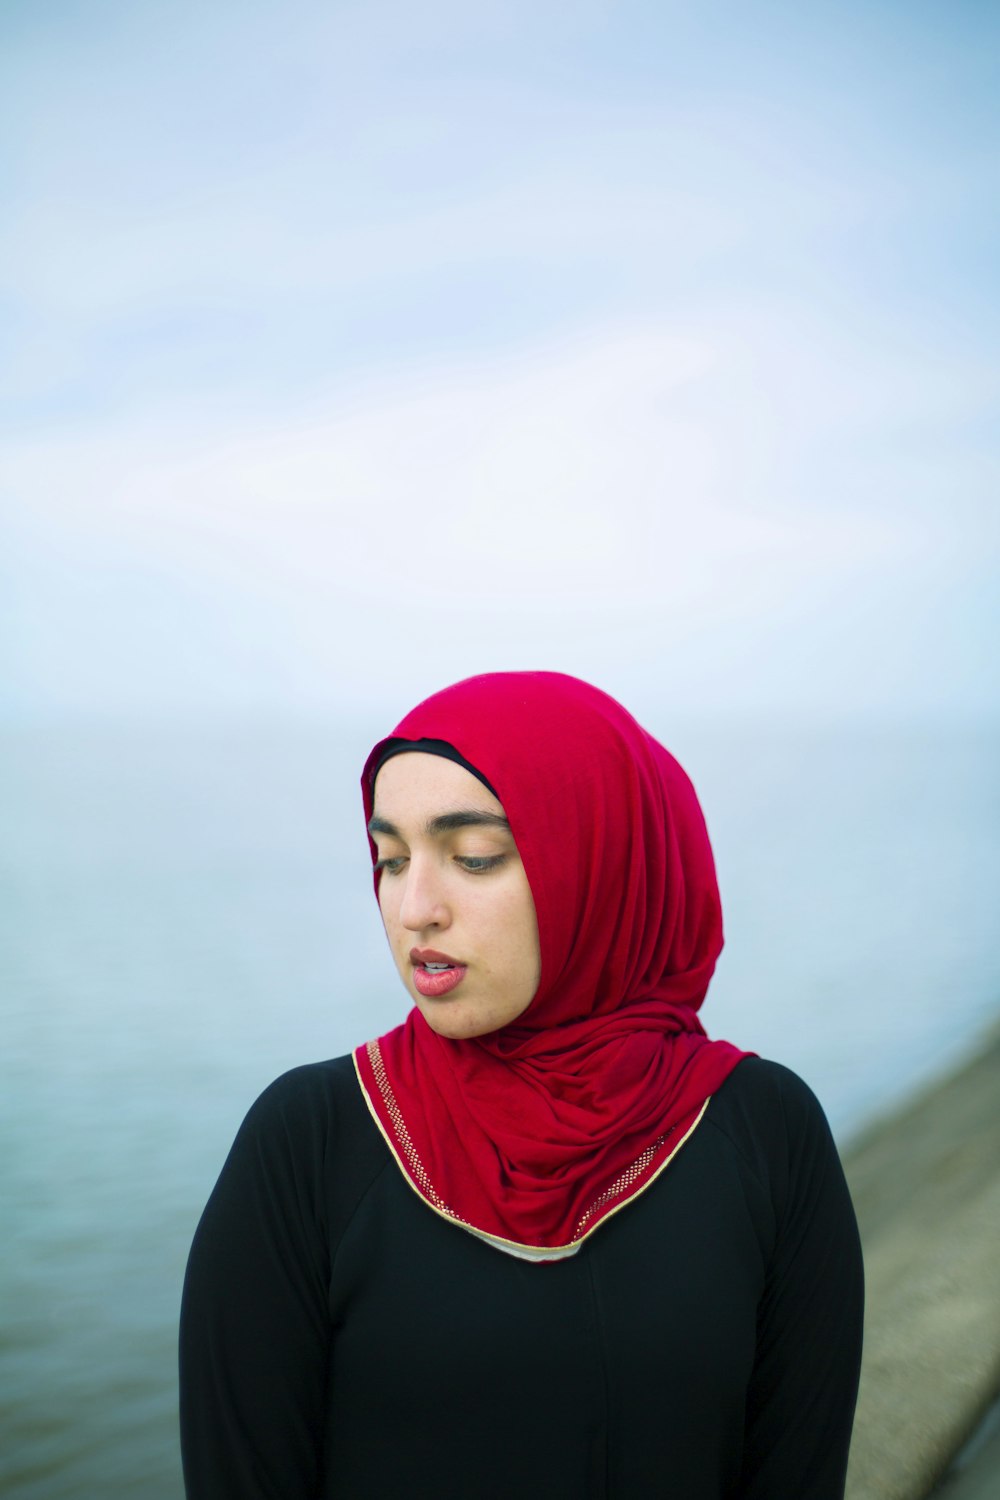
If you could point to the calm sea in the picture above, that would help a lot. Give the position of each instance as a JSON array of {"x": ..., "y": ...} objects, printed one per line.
[{"x": 185, "y": 914}]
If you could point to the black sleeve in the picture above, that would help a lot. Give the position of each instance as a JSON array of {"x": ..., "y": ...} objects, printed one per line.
[
  {"x": 800, "y": 1405},
  {"x": 255, "y": 1329}
]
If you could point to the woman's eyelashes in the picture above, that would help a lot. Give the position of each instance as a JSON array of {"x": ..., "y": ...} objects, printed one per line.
[
  {"x": 478, "y": 864},
  {"x": 472, "y": 864}
]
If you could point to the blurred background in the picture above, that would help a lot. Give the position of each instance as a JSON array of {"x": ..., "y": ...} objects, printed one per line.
[{"x": 350, "y": 348}]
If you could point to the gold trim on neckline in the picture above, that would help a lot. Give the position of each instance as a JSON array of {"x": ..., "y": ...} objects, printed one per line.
[{"x": 415, "y": 1173}]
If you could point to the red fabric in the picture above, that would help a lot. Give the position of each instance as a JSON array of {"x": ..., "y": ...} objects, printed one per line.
[{"x": 521, "y": 1132}]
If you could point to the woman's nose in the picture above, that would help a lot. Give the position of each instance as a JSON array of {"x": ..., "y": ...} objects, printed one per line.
[{"x": 423, "y": 904}]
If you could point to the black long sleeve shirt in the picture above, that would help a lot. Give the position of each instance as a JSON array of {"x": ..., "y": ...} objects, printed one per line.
[{"x": 339, "y": 1339}]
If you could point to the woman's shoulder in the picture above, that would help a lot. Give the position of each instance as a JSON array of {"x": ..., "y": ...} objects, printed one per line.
[
  {"x": 312, "y": 1098},
  {"x": 310, "y": 1081},
  {"x": 760, "y": 1084},
  {"x": 310, "y": 1136},
  {"x": 771, "y": 1117}
]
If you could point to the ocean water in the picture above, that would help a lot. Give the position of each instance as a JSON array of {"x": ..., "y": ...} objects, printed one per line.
[{"x": 186, "y": 913}]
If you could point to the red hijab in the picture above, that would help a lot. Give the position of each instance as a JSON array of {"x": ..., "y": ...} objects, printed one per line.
[{"x": 532, "y": 1135}]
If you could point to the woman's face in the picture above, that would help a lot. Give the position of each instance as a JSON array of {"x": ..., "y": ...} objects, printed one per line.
[{"x": 455, "y": 900}]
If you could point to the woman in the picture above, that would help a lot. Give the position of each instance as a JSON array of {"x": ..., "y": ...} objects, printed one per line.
[{"x": 544, "y": 1238}]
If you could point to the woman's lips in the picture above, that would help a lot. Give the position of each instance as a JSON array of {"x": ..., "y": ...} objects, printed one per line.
[{"x": 433, "y": 983}]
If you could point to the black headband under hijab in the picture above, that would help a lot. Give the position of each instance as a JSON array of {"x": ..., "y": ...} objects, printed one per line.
[{"x": 429, "y": 747}]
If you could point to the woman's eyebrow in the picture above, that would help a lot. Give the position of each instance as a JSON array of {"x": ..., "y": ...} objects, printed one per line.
[
  {"x": 445, "y": 823},
  {"x": 448, "y": 822}
]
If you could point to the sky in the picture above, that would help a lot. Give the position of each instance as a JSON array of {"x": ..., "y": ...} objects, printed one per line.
[{"x": 348, "y": 349}]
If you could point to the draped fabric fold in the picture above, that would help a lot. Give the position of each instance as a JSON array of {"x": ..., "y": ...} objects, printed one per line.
[{"x": 531, "y": 1136}]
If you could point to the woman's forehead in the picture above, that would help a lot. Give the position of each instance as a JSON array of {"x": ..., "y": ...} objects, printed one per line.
[{"x": 415, "y": 783}]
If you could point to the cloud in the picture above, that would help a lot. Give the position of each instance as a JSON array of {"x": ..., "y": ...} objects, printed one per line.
[
  {"x": 602, "y": 500},
  {"x": 374, "y": 343}
]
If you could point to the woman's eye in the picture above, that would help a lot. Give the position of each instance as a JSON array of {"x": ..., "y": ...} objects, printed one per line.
[
  {"x": 478, "y": 864},
  {"x": 390, "y": 866}
]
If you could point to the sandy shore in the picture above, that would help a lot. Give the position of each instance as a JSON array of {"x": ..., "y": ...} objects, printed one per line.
[{"x": 926, "y": 1186}]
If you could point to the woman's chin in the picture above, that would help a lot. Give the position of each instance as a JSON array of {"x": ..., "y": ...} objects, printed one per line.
[
  {"x": 471, "y": 1009},
  {"x": 452, "y": 1019}
]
